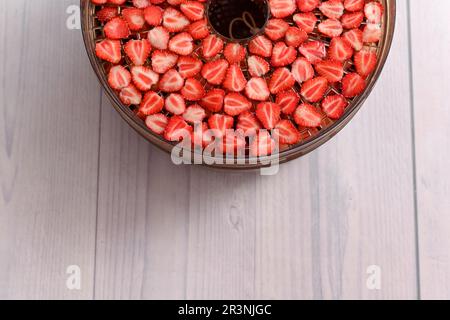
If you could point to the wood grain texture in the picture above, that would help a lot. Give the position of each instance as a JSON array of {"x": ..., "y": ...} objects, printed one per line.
[
  {"x": 432, "y": 131},
  {"x": 49, "y": 115}
]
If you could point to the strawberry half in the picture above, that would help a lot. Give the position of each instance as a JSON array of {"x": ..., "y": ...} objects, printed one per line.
[
  {"x": 306, "y": 21},
  {"x": 177, "y": 129},
  {"x": 107, "y": 13},
  {"x": 152, "y": 103},
  {"x": 157, "y": 123},
  {"x": 235, "y": 104},
  {"x": 193, "y": 90},
  {"x": 199, "y": 29},
  {"x": 262, "y": 144},
  {"x": 352, "y": 20},
  {"x": 332, "y": 70},
  {"x": 268, "y": 114},
  {"x": 159, "y": 38},
  {"x": 257, "y": 89},
  {"x": 175, "y": 104},
  {"x": 234, "y": 80},
  {"x": 302, "y": 70},
  {"x": 116, "y": 29},
  {"x": 211, "y": 46},
  {"x": 260, "y": 46},
  {"x": 119, "y": 77},
  {"x": 295, "y": 37},
  {"x": 248, "y": 123},
  {"x": 286, "y": 132},
  {"x": 138, "y": 51},
  {"x": 313, "y": 51},
  {"x": 174, "y": 20},
  {"x": 307, "y": 116},
  {"x": 214, "y": 71},
  {"x": 134, "y": 18},
  {"x": 331, "y": 28},
  {"x": 282, "y": 79},
  {"x": 354, "y": 5},
  {"x": 220, "y": 123},
  {"x": 182, "y": 44},
  {"x": 282, "y": 55},
  {"x": 163, "y": 60},
  {"x": 334, "y": 106},
  {"x": 313, "y": 90},
  {"x": 276, "y": 29},
  {"x": 340, "y": 50},
  {"x": 193, "y": 10},
  {"x": 189, "y": 67},
  {"x": 307, "y": 5},
  {"x": 374, "y": 12},
  {"x": 213, "y": 100},
  {"x": 365, "y": 62},
  {"x": 332, "y": 9},
  {"x": 109, "y": 50},
  {"x": 144, "y": 78},
  {"x": 153, "y": 15},
  {"x": 288, "y": 101},
  {"x": 257, "y": 66},
  {"x": 234, "y": 52},
  {"x": 130, "y": 95},
  {"x": 194, "y": 114},
  {"x": 354, "y": 38},
  {"x": 282, "y": 8},
  {"x": 171, "y": 81},
  {"x": 352, "y": 85}
]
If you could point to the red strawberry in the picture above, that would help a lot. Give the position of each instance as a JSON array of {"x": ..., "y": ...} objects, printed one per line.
[
  {"x": 157, "y": 123},
  {"x": 194, "y": 114},
  {"x": 257, "y": 89},
  {"x": 214, "y": 71},
  {"x": 352, "y": 20},
  {"x": 137, "y": 3},
  {"x": 138, "y": 51},
  {"x": 334, "y": 106},
  {"x": 171, "y": 81},
  {"x": 262, "y": 145},
  {"x": 234, "y": 80},
  {"x": 109, "y": 50},
  {"x": 177, "y": 129},
  {"x": 234, "y": 52},
  {"x": 182, "y": 44},
  {"x": 365, "y": 62},
  {"x": 374, "y": 12},
  {"x": 162, "y": 61},
  {"x": 193, "y": 90},
  {"x": 281, "y": 80},
  {"x": 282, "y": 8},
  {"x": 130, "y": 95},
  {"x": 260, "y": 46},
  {"x": 282, "y": 55},
  {"x": 116, "y": 29},
  {"x": 107, "y": 13},
  {"x": 372, "y": 33},
  {"x": 288, "y": 101},
  {"x": 340, "y": 50},
  {"x": 193, "y": 10},
  {"x": 189, "y": 67},
  {"x": 307, "y": 5},
  {"x": 354, "y": 38},
  {"x": 352, "y": 85},
  {"x": 159, "y": 38},
  {"x": 213, "y": 100},
  {"x": 295, "y": 37},
  {"x": 268, "y": 114},
  {"x": 220, "y": 123},
  {"x": 306, "y": 21},
  {"x": 175, "y": 104},
  {"x": 313, "y": 51},
  {"x": 134, "y": 17},
  {"x": 248, "y": 123},
  {"x": 174, "y": 20},
  {"x": 151, "y": 104},
  {"x": 302, "y": 70},
  {"x": 286, "y": 132},
  {"x": 233, "y": 143},
  {"x": 211, "y": 46},
  {"x": 144, "y": 78},
  {"x": 331, "y": 28},
  {"x": 276, "y": 29},
  {"x": 354, "y": 5},
  {"x": 198, "y": 29},
  {"x": 153, "y": 15},
  {"x": 307, "y": 116},
  {"x": 257, "y": 66},
  {"x": 313, "y": 90},
  {"x": 332, "y": 70},
  {"x": 119, "y": 77},
  {"x": 332, "y": 9},
  {"x": 235, "y": 104}
]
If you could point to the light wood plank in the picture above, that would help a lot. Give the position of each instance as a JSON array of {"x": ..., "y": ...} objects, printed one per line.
[
  {"x": 430, "y": 48},
  {"x": 49, "y": 117}
]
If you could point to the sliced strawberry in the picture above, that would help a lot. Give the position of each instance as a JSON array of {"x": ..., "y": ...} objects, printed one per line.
[
  {"x": 235, "y": 104},
  {"x": 177, "y": 129},
  {"x": 332, "y": 9},
  {"x": 257, "y": 89},
  {"x": 116, "y": 29},
  {"x": 257, "y": 66},
  {"x": 171, "y": 81},
  {"x": 295, "y": 37},
  {"x": 153, "y": 15},
  {"x": 119, "y": 77},
  {"x": 234, "y": 52},
  {"x": 234, "y": 80},
  {"x": 138, "y": 51},
  {"x": 109, "y": 50},
  {"x": 193, "y": 90},
  {"x": 307, "y": 5},
  {"x": 306, "y": 21},
  {"x": 220, "y": 123},
  {"x": 157, "y": 123},
  {"x": 374, "y": 12},
  {"x": 352, "y": 20},
  {"x": 282, "y": 8},
  {"x": 365, "y": 62},
  {"x": 130, "y": 95},
  {"x": 260, "y": 46},
  {"x": 288, "y": 101},
  {"x": 276, "y": 29},
  {"x": 211, "y": 46},
  {"x": 313, "y": 51},
  {"x": 334, "y": 106},
  {"x": 137, "y": 3},
  {"x": 282, "y": 55},
  {"x": 262, "y": 144},
  {"x": 313, "y": 90},
  {"x": 213, "y": 100},
  {"x": 282, "y": 79},
  {"x": 302, "y": 70},
  {"x": 286, "y": 132},
  {"x": 372, "y": 33},
  {"x": 233, "y": 143},
  {"x": 151, "y": 104},
  {"x": 332, "y": 70},
  {"x": 354, "y": 5},
  {"x": 331, "y": 28},
  {"x": 159, "y": 38},
  {"x": 134, "y": 17},
  {"x": 268, "y": 114},
  {"x": 162, "y": 61},
  {"x": 340, "y": 50},
  {"x": 193, "y": 10},
  {"x": 354, "y": 38},
  {"x": 182, "y": 44},
  {"x": 198, "y": 29},
  {"x": 144, "y": 78},
  {"x": 248, "y": 123},
  {"x": 194, "y": 114},
  {"x": 214, "y": 71},
  {"x": 189, "y": 67},
  {"x": 307, "y": 116},
  {"x": 352, "y": 85},
  {"x": 175, "y": 104},
  {"x": 174, "y": 20},
  {"x": 107, "y": 13}
]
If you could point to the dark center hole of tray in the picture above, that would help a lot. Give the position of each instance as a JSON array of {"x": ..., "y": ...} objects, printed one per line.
[{"x": 238, "y": 19}]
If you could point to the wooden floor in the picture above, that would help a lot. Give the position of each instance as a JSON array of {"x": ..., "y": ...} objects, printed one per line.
[{"x": 79, "y": 187}]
